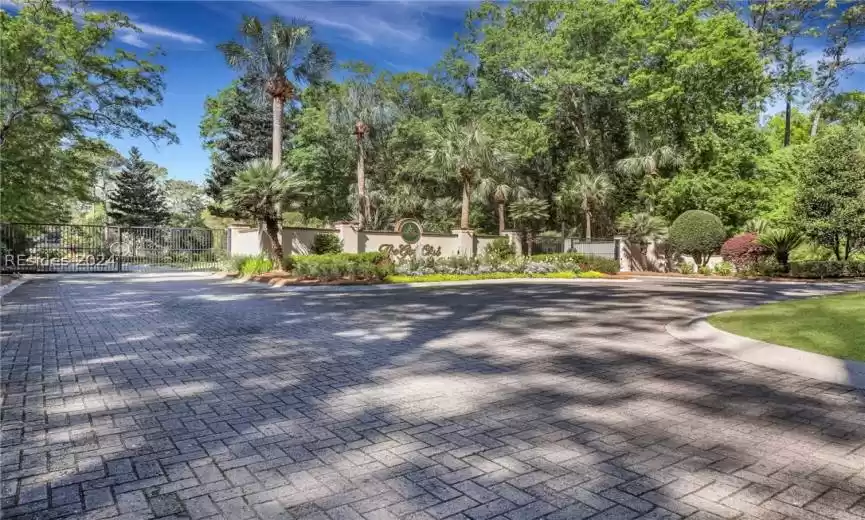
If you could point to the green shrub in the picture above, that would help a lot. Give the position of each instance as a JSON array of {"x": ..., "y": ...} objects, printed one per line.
[
  {"x": 326, "y": 244},
  {"x": 685, "y": 268},
  {"x": 500, "y": 249},
  {"x": 827, "y": 269},
  {"x": 767, "y": 267},
  {"x": 251, "y": 265},
  {"x": 355, "y": 266},
  {"x": 288, "y": 263},
  {"x": 724, "y": 269},
  {"x": 590, "y": 274},
  {"x": 704, "y": 270},
  {"x": 585, "y": 262},
  {"x": 697, "y": 233}
]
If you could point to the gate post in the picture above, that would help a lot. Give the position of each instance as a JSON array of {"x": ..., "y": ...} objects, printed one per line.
[{"x": 120, "y": 249}]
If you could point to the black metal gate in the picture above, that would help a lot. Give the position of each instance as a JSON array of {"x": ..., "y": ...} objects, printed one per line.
[{"x": 71, "y": 248}]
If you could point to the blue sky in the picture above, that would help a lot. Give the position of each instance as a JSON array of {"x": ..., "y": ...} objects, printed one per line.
[{"x": 392, "y": 35}]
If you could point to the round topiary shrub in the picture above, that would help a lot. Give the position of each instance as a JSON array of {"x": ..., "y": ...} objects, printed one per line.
[
  {"x": 743, "y": 251},
  {"x": 697, "y": 233}
]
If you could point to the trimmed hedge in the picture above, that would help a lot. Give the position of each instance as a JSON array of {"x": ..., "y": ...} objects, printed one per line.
[
  {"x": 827, "y": 269},
  {"x": 586, "y": 262},
  {"x": 697, "y": 233},
  {"x": 355, "y": 266}
]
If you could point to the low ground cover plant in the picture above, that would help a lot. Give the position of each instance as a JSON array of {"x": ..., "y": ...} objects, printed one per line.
[
  {"x": 538, "y": 264},
  {"x": 441, "y": 277}
]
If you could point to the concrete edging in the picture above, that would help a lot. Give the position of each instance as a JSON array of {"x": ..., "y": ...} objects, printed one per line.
[
  {"x": 11, "y": 286},
  {"x": 397, "y": 286},
  {"x": 698, "y": 332}
]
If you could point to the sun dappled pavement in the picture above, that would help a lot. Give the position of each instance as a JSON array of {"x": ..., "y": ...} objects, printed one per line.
[{"x": 189, "y": 397}]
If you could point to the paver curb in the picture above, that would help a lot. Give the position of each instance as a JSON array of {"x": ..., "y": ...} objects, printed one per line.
[
  {"x": 11, "y": 286},
  {"x": 398, "y": 286},
  {"x": 698, "y": 332}
]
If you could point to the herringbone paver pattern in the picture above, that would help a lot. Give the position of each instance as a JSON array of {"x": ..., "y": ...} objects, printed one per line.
[{"x": 138, "y": 397}]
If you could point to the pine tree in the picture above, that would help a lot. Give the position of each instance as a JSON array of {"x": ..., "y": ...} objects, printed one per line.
[{"x": 137, "y": 199}]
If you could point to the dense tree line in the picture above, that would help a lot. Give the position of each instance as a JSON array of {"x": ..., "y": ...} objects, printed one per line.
[
  {"x": 600, "y": 111},
  {"x": 590, "y": 115}
]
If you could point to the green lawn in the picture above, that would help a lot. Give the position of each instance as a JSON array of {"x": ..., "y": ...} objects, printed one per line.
[{"x": 830, "y": 325}]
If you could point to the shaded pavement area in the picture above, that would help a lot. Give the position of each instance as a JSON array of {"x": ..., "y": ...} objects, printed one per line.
[{"x": 181, "y": 396}]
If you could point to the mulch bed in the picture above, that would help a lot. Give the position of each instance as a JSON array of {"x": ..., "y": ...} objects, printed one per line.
[{"x": 283, "y": 279}]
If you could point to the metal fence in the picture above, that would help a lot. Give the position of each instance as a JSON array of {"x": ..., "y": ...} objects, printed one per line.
[
  {"x": 606, "y": 247},
  {"x": 59, "y": 248}
]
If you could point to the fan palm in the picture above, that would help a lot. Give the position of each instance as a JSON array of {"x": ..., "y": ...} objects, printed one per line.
[
  {"x": 272, "y": 53},
  {"x": 528, "y": 214},
  {"x": 500, "y": 188},
  {"x": 364, "y": 108},
  {"x": 464, "y": 152},
  {"x": 588, "y": 192},
  {"x": 648, "y": 159},
  {"x": 641, "y": 229},
  {"x": 781, "y": 242},
  {"x": 259, "y": 190}
]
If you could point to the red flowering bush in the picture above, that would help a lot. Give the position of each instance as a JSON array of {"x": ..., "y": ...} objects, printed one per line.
[{"x": 743, "y": 251}]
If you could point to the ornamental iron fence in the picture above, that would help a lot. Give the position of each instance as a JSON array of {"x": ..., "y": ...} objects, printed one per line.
[{"x": 70, "y": 248}]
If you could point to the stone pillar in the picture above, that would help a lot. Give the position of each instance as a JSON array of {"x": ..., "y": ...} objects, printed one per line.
[
  {"x": 514, "y": 238},
  {"x": 622, "y": 253},
  {"x": 465, "y": 242},
  {"x": 350, "y": 236}
]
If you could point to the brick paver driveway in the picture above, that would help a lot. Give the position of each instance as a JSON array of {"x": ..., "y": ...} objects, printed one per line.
[{"x": 139, "y": 397}]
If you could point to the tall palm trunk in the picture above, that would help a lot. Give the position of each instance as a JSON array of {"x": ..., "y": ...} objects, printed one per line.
[
  {"x": 271, "y": 227},
  {"x": 501, "y": 208},
  {"x": 276, "y": 154},
  {"x": 588, "y": 226},
  {"x": 467, "y": 192},
  {"x": 362, "y": 199}
]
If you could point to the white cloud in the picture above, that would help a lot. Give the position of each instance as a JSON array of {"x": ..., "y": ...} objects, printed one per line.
[
  {"x": 156, "y": 31},
  {"x": 140, "y": 38},
  {"x": 387, "y": 23}
]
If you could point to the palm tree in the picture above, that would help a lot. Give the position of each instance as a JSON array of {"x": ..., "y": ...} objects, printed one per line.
[
  {"x": 272, "y": 53},
  {"x": 259, "y": 191},
  {"x": 642, "y": 229},
  {"x": 781, "y": 242},
  {"x": 587, "y": 192},
  {"x": 367, "y": 111},
  {"x": 528, "y": 214},
  {"x": 501, "y": 187},
  {"x": 648, "y": 159},
  {"x": 464, "y": 152}
]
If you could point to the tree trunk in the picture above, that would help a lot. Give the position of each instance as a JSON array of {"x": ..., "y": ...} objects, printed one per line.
[
  {"x": 464, "y": 217},
  {"x": 276, "y": 156},
  {"x": 529, "y": 240},
  {"x": 815, "y": 123},
  {"x": 501, "y": 207},
  {"x": 588, "y": 226},
  {"x": 363, "y": 200},
  {"x": 271, "y": 227},
  {"x": 788, "y": 118}
]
